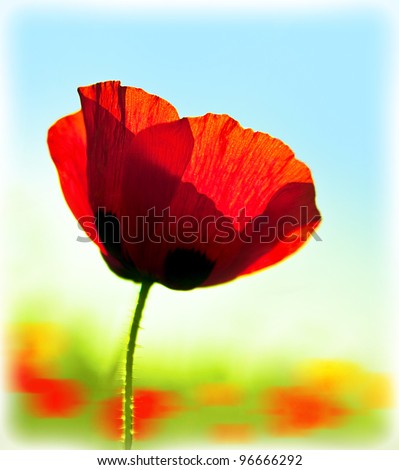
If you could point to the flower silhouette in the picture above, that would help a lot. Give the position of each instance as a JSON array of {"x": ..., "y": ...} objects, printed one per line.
[{"x": 184, "y": 202}]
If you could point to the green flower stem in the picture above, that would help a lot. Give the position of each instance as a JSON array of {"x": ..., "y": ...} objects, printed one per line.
[{"x": 128, "y": 396}]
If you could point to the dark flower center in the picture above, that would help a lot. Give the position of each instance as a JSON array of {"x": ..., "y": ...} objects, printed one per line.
[
  {"x": 186, "y": 269},
  {"x": 108, "y": 229},
  {"x": 109, "y": 232}
]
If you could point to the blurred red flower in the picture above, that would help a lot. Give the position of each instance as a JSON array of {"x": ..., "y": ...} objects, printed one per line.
[
  {"x": 46, "y": 397},
  {"x": 185, "y": 202},
  {"x": 35, "y": 352},
  {"x": 150, "y": 406},
  {"x": 299, "y": 409},
  {"x": 57, "y": 398}
]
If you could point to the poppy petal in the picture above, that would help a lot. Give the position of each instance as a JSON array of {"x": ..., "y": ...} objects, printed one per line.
[
  {"x": 286, "y": 224},
  {"x": 160, "y": 155},
  {"x": 67, "y": 144},
  {"x": 150, "y": 180},
  {"x": 113, "y": 115},
  {"x": 267, "y": 182},
  {"x": 299, "y": 218},
  {"x": 237, "y": 167},
  {"x": 133, "y": 107}
]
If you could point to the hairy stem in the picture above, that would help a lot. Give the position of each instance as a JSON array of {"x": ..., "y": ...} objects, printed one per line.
[{"x": 128, "y": 395}]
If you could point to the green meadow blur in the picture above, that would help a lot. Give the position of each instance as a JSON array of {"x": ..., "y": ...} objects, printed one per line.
[{"x": 299, "y": 355}]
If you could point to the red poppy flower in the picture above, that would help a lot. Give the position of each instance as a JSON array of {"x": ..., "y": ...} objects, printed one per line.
[{"x": 184, "y": 202}]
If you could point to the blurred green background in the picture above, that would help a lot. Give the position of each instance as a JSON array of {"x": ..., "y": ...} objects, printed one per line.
[{"x": 298, "y": 355}]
